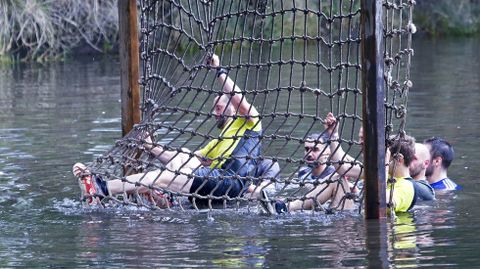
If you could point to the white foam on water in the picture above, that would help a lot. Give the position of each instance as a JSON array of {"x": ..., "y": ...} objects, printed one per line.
[{"x": 106, "y": 120}]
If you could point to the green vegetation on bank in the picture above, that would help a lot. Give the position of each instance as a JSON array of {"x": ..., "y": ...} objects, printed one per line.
[
  {"x": 45, "y": 29},
  {"x": 448, "y": 17}
]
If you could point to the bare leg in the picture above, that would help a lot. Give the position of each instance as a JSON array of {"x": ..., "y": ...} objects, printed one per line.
[
  {"x": 162, "y": 179},
  {"x": 166, "y": 180},
  {"x": 174, "y": 160},
  {"x": 163, "y": 155},
  {"x": 183, "y": 161}
]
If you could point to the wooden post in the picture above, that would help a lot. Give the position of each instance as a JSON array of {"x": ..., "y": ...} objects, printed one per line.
[
  {"x": 129, "y": 64},
  {"x": 373, "y": 108}
]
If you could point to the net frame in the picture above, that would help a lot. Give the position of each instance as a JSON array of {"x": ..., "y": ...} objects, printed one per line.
[{"x": 177, "y": 84}]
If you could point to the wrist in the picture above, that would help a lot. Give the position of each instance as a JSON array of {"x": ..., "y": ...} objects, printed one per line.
[
  {"x": 334, "y": 136},
  {"x": 221, "y": 71}
]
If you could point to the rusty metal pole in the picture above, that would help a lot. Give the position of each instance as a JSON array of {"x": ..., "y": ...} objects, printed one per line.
[
  {"x": 129, "y": 64},
  {"x": 373, "y": 108}
]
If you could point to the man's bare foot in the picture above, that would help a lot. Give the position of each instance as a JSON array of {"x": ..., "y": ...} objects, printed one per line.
[
  {"x": 87, "y": 184},
  {"x": 79, "y": 169}
]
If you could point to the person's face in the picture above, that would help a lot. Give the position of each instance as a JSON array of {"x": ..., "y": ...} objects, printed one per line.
[
  {"x": 416, "y": 167},
  {"x": 316, "y": 152},
  {"x": 430, "y": 167},
  {"x": 421, "y": 160},
  {"x": 429, "y": 170},
  {"x": 220, "y": 112}
]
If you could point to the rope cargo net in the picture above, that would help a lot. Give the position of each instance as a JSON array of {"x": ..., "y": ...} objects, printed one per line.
[{"x": 293, "y": 62}]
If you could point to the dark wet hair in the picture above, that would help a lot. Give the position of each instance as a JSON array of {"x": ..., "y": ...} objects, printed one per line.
[
  {"x": 405, "y": 146},
  {"x": 318, "y": 137},
  {"x": 440, "y": 147}
]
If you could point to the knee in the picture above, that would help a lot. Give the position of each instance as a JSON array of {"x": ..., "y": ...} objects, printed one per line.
[{"x": 173, "y": 164}]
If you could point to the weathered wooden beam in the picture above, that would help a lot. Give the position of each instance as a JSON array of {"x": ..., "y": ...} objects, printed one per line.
[
  {"x": 373, "y": 108},
  {"x": 129, "y": 64}
]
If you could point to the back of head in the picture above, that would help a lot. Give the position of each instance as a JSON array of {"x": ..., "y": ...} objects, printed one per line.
[
  {"x": 403, "y": 145},
  {"x": 441, "y": 148}
]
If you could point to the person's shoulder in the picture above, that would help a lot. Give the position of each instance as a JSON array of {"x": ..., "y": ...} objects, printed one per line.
[
  {"x": 304, "y": 172},
  {"x": 451, "y": 185},
  {"x": 330, "y": 170},
  {"x": 407, "y": 183},
  {"x": 267, "y": 168},
  {"x": 422, "y": 183},
  {"x": 404, "y": 185},
  {"x": 242, "y": 122},
  {"x": 445, "y": 184},
  {"x": 403, "y": 195},
  {"x": 423, "y": 190},
  {"x": 255, "y": 124}
]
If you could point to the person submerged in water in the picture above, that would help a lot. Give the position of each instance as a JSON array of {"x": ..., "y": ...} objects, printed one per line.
[
  {"x": 326, "y": 185},
  {"x": 218, "y": 169},
  {"x": 442, "y": 156},
  {"x": 403, "y": 150},
  {"x": 418, "y": 167}
]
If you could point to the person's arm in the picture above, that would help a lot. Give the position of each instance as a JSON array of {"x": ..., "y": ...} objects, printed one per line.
[
  {"x": 166, "y": 156},
  {"x": 149, "y": 145},
  {"x": 203, "y": 160},
  {"x": 345, "y": 164},
  {"x": 238, "y": 100}
]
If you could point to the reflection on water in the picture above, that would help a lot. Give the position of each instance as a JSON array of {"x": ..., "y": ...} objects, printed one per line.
[
  {"x": 403, "y": 240},
  {"x": 52, "y": 116}
]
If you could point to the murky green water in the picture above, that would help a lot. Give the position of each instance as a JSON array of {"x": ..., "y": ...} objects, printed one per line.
[{"x": 54, "y": 115}]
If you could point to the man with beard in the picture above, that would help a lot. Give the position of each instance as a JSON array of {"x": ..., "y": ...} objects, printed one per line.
[
  {"x": 316, "y": 157},
  {"x": 442, "y": 155},
  {"x": 403, "y": 150},
  {"x": 418, "y": 168},
  {"x": 219, "y": 169},
  {"x": 399, "y": 155},
  {"x": 327, "y": 186}
]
